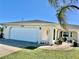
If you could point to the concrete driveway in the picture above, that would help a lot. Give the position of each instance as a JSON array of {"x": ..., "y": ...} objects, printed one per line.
[
  {"x": 17, "y": 43},
  {"x": 8, "y": 46},
  {"x": 5, "y": 49}
]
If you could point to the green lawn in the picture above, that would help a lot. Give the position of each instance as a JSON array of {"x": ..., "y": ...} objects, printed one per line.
[{"x": 44, "y": 54}]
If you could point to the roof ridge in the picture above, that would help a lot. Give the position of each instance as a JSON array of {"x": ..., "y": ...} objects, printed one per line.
[{"x": 31, "y": 21}]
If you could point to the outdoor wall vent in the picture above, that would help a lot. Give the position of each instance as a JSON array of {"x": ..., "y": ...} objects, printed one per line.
[{"x": 22, "y": 25}]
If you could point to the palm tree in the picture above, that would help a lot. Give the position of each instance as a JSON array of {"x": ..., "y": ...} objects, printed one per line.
[{"x": 61, "y": 7}]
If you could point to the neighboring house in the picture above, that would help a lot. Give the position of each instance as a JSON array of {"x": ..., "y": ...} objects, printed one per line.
[{"x": 38, "y": 31}]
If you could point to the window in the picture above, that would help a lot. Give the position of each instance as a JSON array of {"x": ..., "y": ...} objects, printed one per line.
[
  {"x": 65, "y": 34},
  {"x": 61, "y": 34},
  {"x": 40, "y": 28},
  {"x": 54, "y": 34},
  {"x": 5, "y": 26},
  {"x": 71, "y": 34}
]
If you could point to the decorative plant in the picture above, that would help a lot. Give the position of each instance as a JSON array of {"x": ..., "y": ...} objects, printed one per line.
[{"x": 59, "y": 41}]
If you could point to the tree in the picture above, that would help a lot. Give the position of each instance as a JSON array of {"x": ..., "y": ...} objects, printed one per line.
[{"x": 62, "y": 6}]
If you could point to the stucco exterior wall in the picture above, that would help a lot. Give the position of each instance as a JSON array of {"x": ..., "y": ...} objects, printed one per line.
[
  {"x": 6, "y": 32},
  {"x": 46, "y": 31},
  {"x": 78, "y": 38},
  {"x": 43, "y": 35}
]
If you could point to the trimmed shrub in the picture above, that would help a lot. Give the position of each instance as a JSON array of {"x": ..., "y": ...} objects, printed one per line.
[
  {"x": 75, "y": 44},
  {"x": 31, "y": 47},
  {"x": 59, "y": 41}
]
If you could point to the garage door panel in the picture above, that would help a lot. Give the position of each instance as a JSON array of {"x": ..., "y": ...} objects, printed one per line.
[{"x": 25, "y": 34}]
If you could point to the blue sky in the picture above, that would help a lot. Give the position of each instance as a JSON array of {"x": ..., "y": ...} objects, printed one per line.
[{"x": 16, "y": 10}]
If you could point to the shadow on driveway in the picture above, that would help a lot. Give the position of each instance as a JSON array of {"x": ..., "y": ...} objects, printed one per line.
[{"x": 17, "y": 43}]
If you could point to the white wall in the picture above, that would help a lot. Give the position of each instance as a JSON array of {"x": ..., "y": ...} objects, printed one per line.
[
  {"x": 6, "y": 32},
  {"x": 48, "y": 38},
  {"x": 51, "y": 35},
  {"x": 42, "y": 34},
  {"x": 78, "y": 37}
]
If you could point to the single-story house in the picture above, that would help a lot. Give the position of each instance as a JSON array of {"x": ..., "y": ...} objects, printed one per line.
[{"x": 39, "y": 31}]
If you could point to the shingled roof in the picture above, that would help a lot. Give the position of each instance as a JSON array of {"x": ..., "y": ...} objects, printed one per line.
[
  {"x": 73, "y": 26},
  {"x": 31, "y": 21},
  {"x": 41, "y": 21}
]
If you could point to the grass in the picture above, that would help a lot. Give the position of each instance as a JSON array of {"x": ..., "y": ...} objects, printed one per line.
[{"x": 44, "y": 54}]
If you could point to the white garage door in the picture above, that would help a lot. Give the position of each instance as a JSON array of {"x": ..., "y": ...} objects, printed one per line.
[{"x": 25, "y": 34}]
